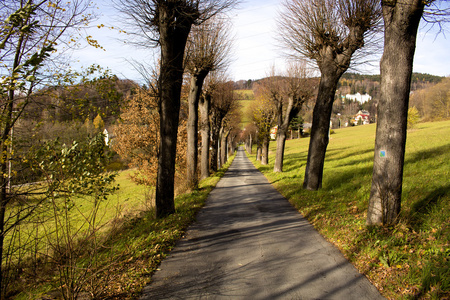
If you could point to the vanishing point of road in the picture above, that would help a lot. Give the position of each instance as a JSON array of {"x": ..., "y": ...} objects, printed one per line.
[{"x": 250, "y": 243}]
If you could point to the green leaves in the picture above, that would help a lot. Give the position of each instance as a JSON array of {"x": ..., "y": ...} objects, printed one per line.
[{"x": 76, "y": 169}]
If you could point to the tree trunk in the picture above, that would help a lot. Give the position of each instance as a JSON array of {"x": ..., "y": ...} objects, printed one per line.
[
  {"x": 223, "y": 146},
  {"x": 249, "y": 143},
  {"x": 283, "y": 128},
  {"x": 173, "y": 42},
  {"x": 214, "y": 145},
  {"x": 258, "y": 152},
  {"x": 205, "y": 131},
  {"x": 401, "y": 25},
  {"x": 319, "y": 130},
  {"x": 192, "y": 130},
  {"x": 281, "y": 142},
  {"x": 265, "y": 150}
]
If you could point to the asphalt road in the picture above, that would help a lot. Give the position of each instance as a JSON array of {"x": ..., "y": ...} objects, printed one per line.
[{"x": 250, "y": 243}]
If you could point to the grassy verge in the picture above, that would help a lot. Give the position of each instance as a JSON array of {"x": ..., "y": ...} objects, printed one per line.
[
  {"x": 134, "y": 242},
  {"x": 408, "y": 261}
]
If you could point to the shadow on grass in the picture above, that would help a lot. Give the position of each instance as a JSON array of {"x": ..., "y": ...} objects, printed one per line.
[
  {"x": 422, "y": 208},
  {"x": 358, "y": 155},
  {"x": 294, "y": 161},
  {"x": 432, "y": 153}
]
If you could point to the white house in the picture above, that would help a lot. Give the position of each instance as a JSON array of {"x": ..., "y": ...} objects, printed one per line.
[
  {"x": 358, "y": 97},
  {"x": 362, "y": 116}
]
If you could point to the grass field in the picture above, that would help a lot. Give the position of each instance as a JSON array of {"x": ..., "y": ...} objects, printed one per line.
[
  {"x": 245, "y": 94},
  {"x": 245, "y": 98},
  {"x": 408, "y": 261}
]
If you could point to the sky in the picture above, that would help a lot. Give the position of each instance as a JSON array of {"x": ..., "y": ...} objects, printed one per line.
[{"x": 255, "y": 50}]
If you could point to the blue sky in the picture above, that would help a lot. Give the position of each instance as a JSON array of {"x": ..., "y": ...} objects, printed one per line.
[{"x": 256, "y": 49}]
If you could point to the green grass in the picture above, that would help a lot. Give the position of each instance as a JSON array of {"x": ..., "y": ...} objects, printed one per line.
[
  {"x": 245, "y": 94},
  {"x": 408, "y": 261},
  {"x": 245, "y": 98},
  {"x": 133, "y": 241},
  {"x": 245, "y": 116}
]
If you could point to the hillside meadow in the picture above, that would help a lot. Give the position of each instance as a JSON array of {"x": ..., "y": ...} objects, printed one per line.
[{"x": 408, "y": 261}]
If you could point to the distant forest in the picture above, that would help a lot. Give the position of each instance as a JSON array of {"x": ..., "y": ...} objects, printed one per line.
[{"x": 416, "y": 77}]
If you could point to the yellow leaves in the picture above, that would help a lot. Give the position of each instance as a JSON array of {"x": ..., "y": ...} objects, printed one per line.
[
  {"x": 55, "y": 6},
  {"x": 137, "y": 137},
  {"x": 94, "y": 43}
]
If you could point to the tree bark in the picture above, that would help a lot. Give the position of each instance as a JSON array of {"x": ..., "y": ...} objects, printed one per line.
[
  {"x": 223, "y": 146},
  {"x": 258, "y": 152},
  {"x": 283, "y": 128},
  {"x": 265, "y": 150},
  {"x": 205, "y": 132},
  {"x": 281, "y": 142},
  {"x": 214, "y": 144},
  {"x": 401, "y": 25},
  {"x": 320, "y": 129},
  {"x": 192, "y": 130},
  {"x": 173, "y": 42}
]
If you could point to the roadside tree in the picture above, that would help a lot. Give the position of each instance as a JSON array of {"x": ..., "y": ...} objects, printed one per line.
[
  {"x": 208, "y": 49},
  {"x": 401, "y": 22},
  {"x": 297, "y": 89},
  {"x": 167, "y": 24},
  {"x": 263, "y": 115},
  {"x": 328, "y": 32},
  {"x": 230, "y": 126},
  {"x": 223, "y": 102},
  {"x": 248, "y": 136}
]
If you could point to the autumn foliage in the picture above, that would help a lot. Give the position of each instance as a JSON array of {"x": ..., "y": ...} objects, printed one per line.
[{"x": 137, "y": 137}]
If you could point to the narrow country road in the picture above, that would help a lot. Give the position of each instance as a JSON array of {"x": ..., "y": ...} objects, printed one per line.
[{"x": 250, "y": 243}]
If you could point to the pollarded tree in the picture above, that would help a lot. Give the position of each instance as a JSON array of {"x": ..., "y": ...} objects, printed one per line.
[
  {"x": 209, "y": 47},
  {"x": 263, "y": 114},
  {"x": 212, "y": 82},
  {"x": 401, "y": 22},
  {"x": 270, "y": 98},
  {"x": 223, "y": 102},
  {"x": 167, "y": 24},
  {"x": 230, "y": 124},
  {"x": 297, "y": 89},
  {"x": 248, "y": 135},
  {"x": 327, "y": 32}
]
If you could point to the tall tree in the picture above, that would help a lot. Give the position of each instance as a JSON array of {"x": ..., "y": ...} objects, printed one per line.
[
  {"x": 296, "y": 89},
  {"x": 401, "y": 22},
  {"x": 248, "y": 135},
  {"x": 167, "y": 24},
  {"x": 327, "y": 32},
  {"x": 230, "y": 124},
  {"x": 209, "y": 47},
  {"x": 263, "y": 114},
  {"x": 270, "y": 98},
  {"x": 205, "y": 130},
  {"x": 223, "y": 102},
  {"x": 29, "y": 33}
]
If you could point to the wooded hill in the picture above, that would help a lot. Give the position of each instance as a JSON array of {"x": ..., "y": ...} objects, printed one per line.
[{"x": 352, "y": 83}]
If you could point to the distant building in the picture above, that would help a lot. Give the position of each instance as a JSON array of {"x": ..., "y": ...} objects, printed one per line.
[
  {"x": 362, "y": 117},
  {"x": 358, "y": 97},
  {"x": 273, "y": 133},
  {"x": 106, "y": 135}
]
